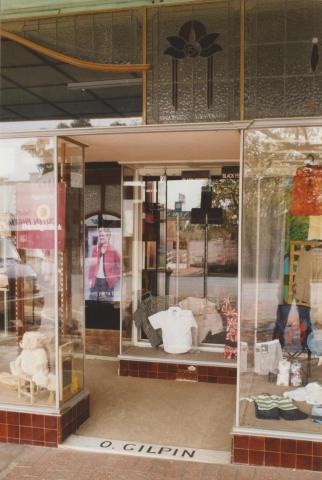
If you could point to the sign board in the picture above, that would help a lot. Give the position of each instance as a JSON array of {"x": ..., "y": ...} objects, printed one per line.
[
  {"x": 230, "y": 171},
  {"x": 147, "y": 450},
  {"x": 35, "y": 218},
  {"x": 192, "y": 174}
]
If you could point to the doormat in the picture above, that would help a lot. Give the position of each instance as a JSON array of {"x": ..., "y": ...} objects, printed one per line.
[{"x": 147, "y": 450}]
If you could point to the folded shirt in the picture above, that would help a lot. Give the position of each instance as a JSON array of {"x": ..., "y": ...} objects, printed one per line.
[{"x": 311, "y": 394}]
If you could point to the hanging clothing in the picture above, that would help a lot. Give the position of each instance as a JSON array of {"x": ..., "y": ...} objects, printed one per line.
[
  {"x": 148, "y": 307},
  {"x": 308, "y": 278},
  {"x": 176, "y": 325},
  {"x": 315, "y": 227},
  {"x": 230, "y": 312},
  {"x": 267, "y": 357},
  {"x": 307, "y": 192}
]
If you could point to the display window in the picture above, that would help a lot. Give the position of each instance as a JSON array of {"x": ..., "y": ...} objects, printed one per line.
[
  {"x": 180, "y": 260},
  {"x": 281, "y": 281},
  {"x": 41, "y": 271}
]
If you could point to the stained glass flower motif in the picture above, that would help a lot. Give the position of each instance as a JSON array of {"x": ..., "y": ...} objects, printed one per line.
[{"x": 192, "y": 41}]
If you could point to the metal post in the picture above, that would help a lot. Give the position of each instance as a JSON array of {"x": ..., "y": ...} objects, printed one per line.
[
  {"x": 177, "y": 258},
  {"x": 205, "y": 268},
  {"x": 257, "y": 257}
]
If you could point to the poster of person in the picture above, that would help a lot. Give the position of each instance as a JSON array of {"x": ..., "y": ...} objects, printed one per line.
[{"x": 103, "y": 264}]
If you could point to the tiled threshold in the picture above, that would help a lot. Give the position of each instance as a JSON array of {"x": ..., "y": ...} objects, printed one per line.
[{"x": 147, "y": 450}]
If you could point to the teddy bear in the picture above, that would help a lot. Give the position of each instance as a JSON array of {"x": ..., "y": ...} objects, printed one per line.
[{"x": 33, "y": 360}]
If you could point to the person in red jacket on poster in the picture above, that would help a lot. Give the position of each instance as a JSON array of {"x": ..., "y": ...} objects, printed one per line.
[{"x": 104, "y": 272}]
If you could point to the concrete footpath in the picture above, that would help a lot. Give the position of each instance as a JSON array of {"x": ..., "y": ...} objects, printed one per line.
[{"x": 18, "y": 462}]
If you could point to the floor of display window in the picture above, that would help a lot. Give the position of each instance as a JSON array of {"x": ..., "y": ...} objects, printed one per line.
[
  {"x": 163, "y": 412},
  {"x": 195, "y": 356},
  {"x": 253, "y": 384}
]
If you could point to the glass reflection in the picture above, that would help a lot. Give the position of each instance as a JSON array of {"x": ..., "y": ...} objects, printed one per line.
[
  {"x": 184, "y": 254},
  {"x": 70, "y": 268},
  {"x": 27, "y": 308},
  {"x": 281, "y": 304}
]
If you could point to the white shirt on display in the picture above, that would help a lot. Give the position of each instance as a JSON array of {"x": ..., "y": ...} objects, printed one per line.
[{"x": 176, "y": 325}]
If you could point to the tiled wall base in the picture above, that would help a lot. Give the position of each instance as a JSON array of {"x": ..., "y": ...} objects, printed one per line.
[
  {"x": 42, "y": 430},
  {"x": 277, "y": 452},
  {"x": 171, "y": 371}
]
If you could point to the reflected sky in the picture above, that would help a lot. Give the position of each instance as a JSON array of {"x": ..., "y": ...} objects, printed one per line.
[{"x": 54, "y": 124}]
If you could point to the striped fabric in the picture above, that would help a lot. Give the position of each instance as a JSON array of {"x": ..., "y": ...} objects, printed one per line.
[{"x": 267, "y": 402}]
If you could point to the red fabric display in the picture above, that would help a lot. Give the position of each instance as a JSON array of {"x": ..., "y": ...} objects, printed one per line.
[
  {"x": 307, "y": 192},
  {"x": 230, "y": 312}
]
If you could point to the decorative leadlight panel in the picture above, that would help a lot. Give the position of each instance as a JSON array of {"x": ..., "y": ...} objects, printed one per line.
[
  {"x": 113, "y": 199},
  {"x": 112, "y": 37},
  {"x": 194, "y": 52},
  {"x": 283, "y": 74},
  {"x": 92, "y": 199}
]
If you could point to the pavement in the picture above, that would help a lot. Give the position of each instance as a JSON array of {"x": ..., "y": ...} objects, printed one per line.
[{"x": 19, "y": 462}]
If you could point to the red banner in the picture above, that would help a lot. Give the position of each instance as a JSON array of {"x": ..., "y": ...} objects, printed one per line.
[{"x": 35, "y": 218}]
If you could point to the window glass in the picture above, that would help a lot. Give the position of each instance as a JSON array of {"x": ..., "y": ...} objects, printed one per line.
[
  {"x": 27, "y": 271},
  {"x": 180, "y": 252},
  {"x": 281, "y": 307}
]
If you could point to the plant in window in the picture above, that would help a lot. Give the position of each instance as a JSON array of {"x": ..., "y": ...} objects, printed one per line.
[{"x": 193, "y": 41}]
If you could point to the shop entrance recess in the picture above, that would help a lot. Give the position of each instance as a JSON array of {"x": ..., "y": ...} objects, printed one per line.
[{"x": 178, "y": 249}]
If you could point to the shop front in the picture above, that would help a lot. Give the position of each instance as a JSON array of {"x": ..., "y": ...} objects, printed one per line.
[
  {"x": 159, "y": 246},
  {"x": 164, "y": 250}
]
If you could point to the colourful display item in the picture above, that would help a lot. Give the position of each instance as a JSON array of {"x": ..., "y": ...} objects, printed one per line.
[{"x": 307, "y": 192}]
